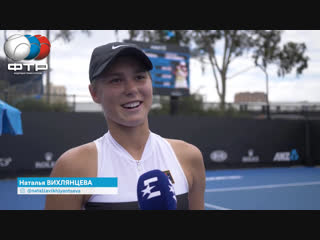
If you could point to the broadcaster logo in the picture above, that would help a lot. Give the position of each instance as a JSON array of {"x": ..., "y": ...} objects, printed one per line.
[{"x": 27, "y": 47}]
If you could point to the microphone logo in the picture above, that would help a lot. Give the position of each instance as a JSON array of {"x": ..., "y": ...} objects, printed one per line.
[
  {"x": 148, "y": 188},
  {"x": 155, "y": 191},
  {"x": 172, "y": 190}
]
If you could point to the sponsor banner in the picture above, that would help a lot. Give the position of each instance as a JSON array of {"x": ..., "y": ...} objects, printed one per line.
[
  {"x": 48, "y": 185},
  {"x": 211, "y": 135},
  {"x": 251, "y": 157},
  {"x": 5, "y": 162},
  {"x": 218, "y": 156},
  {"x": 286, "y": 156},
  {"x": 47, "y": 163}
]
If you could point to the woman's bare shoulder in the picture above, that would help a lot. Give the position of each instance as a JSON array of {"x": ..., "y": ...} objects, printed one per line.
[
  {"x": 185, "y": 149},
  {"x": 80, "y": 161}
]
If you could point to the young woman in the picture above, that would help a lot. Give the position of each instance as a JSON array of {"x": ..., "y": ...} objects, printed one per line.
[{"x": 121, "y": 83}]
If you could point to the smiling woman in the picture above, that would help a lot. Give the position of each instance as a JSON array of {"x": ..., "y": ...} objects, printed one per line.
[
  {"x": 124, "y": 91},
  {"x": 121, "y": 83}
]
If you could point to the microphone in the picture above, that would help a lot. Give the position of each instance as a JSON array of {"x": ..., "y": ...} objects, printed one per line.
[{"x": 155, "y": 192}]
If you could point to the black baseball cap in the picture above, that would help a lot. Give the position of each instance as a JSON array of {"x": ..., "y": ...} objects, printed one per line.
[{"x": 103, "y": 56}]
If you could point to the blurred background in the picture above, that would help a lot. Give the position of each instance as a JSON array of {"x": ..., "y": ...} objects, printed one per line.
[{"x": 248, "y": 99}]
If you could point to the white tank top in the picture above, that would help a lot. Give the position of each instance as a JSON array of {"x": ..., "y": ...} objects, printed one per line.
[{"x": 115, "y": 161}]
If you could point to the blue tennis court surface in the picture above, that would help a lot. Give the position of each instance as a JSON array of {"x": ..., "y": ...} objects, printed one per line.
[
  {"x": 10, "y": 200},
  {"x": 294, "y": 188}
]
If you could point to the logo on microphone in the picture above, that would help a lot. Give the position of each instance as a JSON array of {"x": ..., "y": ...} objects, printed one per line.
[
  {"x": 148, "y": 188},
  {"x": 155, "y": 191},
  {"x": 172, "y": 190}
]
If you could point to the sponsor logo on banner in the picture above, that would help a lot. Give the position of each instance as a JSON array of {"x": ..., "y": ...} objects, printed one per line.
[
  {"x": 286, "y": 156},
  {"x": 48, "y": 163},
  {"x": 218, "y": 156},
  {"x": 5, "y": 162},
  {"x": 251, "y": 157}
]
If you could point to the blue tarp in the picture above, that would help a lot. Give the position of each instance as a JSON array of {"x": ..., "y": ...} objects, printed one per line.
[{"x": 10, "y": 120}]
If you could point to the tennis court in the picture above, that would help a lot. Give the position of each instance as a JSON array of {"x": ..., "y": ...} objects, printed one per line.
[
  {"x": 289, "y": 188},
  {"x": 279, "y": 188}
]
